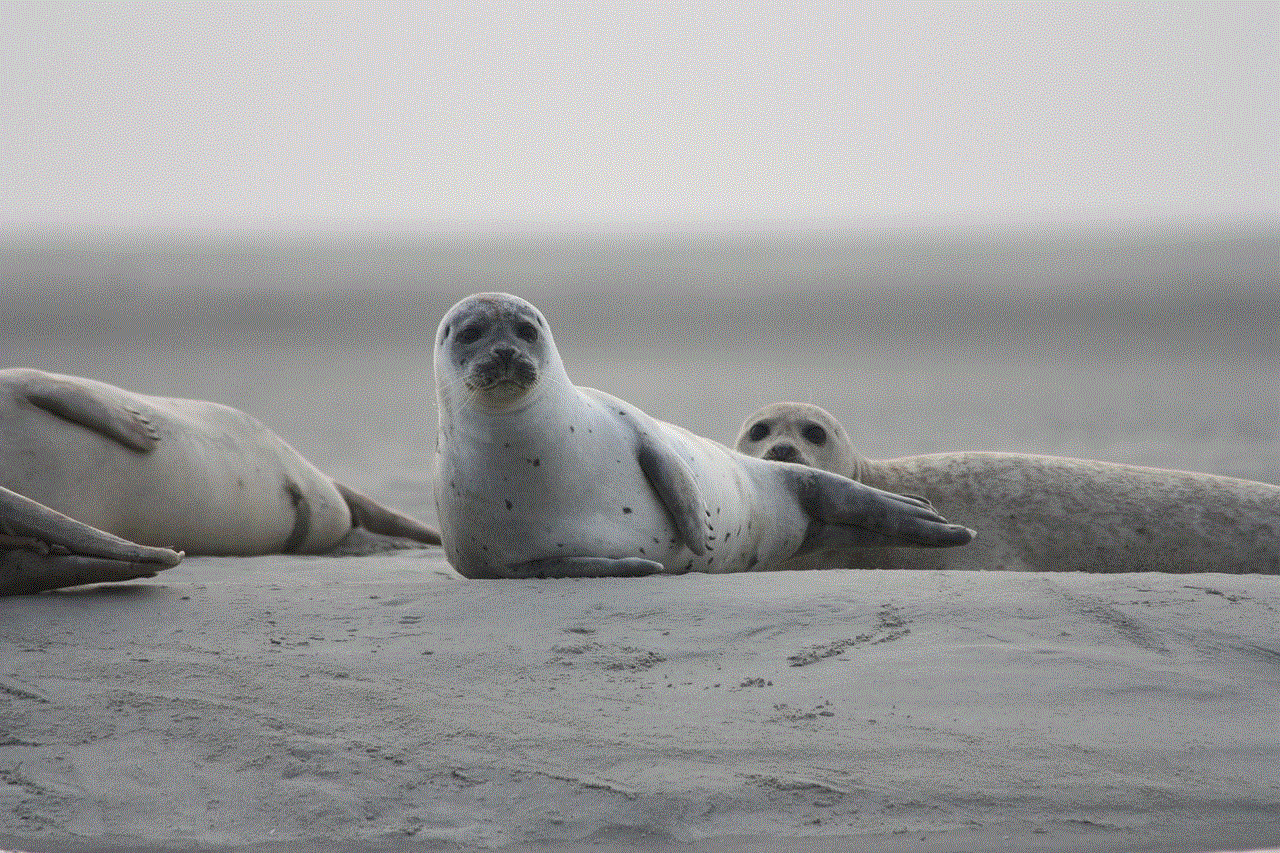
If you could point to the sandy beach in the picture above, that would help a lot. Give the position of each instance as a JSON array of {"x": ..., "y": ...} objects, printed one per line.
[{"x": 381, "y": 703}]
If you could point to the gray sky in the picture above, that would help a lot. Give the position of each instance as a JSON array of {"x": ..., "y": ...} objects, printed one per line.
[{"x": 142, "y": 116}]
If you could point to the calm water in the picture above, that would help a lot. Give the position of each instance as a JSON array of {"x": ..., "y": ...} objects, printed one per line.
[{"x": 1183, "y": 377}]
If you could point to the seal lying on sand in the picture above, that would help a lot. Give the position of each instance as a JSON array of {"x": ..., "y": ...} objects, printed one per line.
[
  {"x": 1042, "y": 513},
  {"x": 538, "y": 477},
  {"x": 42, "y": 549},
  {"x": 188, "y": 474}
]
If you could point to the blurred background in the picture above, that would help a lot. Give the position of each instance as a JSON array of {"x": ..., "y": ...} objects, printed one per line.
[{"x": 1035, "y": 227}]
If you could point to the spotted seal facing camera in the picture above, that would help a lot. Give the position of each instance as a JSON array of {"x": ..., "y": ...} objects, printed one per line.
[
  {"x": 1041, "y": 513},
  {"x": 536, "y": 477}
]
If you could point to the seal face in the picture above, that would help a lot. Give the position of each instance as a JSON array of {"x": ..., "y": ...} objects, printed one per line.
[
  {"x": 794, "y": 432},
  {"x": 1040, "y": 513},
  {"x": 498, "y": 346},
  {"x": 538, "y": 477}
]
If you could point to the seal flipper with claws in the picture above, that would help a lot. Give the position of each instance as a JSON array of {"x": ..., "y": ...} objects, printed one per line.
[
  {"x": 41, "y": 549},
  {"x": 536, "y": 477},
  {"x": 200, "y": 476}
]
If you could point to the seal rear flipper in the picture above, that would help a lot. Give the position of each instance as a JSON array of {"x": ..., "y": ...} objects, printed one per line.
[
  {"x": 376, "y": 518},
  {"x": 585, "y": 567},
  {"x": 22, "y": 517},
  {"x": 114, "y": 418},
  {"x": 850, "y": 514},
  {"x": 43, "y": 549},
  {"x": 672, "y": 481},
  {"x": 26, "y": 572}
]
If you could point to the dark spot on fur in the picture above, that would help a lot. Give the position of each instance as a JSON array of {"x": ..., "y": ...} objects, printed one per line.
[
  {"x": 626, "y": 510},
  {"x": 688, "y": 567},
  {"x": 301, "y": 519},
  {"x": 508, "y": 503},
  {"x": 643, "y": 551}
]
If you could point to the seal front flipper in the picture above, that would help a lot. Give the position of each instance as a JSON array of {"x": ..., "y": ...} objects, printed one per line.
[
  {"x": 585, "y": 567},
  {"x": 43, "y": 549},
  {"x": 113, "y": 417},
  {"x": 376, "y": 518},
  {"x": 27, "y": 572},
  {"x": 847, "y": 514},
  {"x": 673, "y": 482}
]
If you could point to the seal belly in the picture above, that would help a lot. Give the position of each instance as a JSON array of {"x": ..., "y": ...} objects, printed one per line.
[{"x": 579, "y": 494}]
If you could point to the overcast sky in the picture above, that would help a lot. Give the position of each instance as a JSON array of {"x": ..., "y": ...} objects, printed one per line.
[{"x": 421, "y": 115}]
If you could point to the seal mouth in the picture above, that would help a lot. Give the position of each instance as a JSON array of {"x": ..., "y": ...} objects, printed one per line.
[
  {"x": 507, "y": 372},
  {"x": 786, "y": 452}
]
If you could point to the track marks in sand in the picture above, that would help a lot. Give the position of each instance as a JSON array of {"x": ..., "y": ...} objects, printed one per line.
[
  {"x": 890, "y": 626},
  {"x": 11, "y": 685},
  {"x": 616, "y": 658}
]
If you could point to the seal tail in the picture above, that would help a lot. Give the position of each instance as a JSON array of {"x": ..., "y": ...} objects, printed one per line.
[{"x": 376, "y": 518}]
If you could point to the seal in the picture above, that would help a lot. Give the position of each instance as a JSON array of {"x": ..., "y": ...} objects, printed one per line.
[
  {"x": 1043, "y": 513},
  {"x": 188, "y": 474},
  {"x": 42, "y": 549},
  {"x": 536, "y": 477}
]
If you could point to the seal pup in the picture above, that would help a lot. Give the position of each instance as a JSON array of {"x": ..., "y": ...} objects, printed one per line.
[
  {"x": 42, "y": 549},
  {"x": 189, "y": 474},
  {"x": 536, "y": 477},
  {"x": 1043, "y": 513}
]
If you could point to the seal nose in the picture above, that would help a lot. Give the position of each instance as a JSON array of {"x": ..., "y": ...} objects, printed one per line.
[
  {"x": 783, "y": 451},
  {"x": 505, "y": 354}
]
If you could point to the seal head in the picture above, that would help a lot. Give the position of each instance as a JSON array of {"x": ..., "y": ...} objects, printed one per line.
[
  {"x": 494, "y": 346},
  {"x": 801, "y": 433}
]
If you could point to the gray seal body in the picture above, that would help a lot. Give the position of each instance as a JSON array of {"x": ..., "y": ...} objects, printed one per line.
[
  {"x": 538, "y": 477},
  {"x": 1041, "y": 513},
  {"x": 188, "y": 474}
]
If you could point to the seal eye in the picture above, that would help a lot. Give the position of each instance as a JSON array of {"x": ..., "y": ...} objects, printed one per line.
[
  {"x": 527, "y": 332},
  {"x": 815, "y": 434},
  {"x": 758, "y": 431},
  {"x": 470, "y": 334}
]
